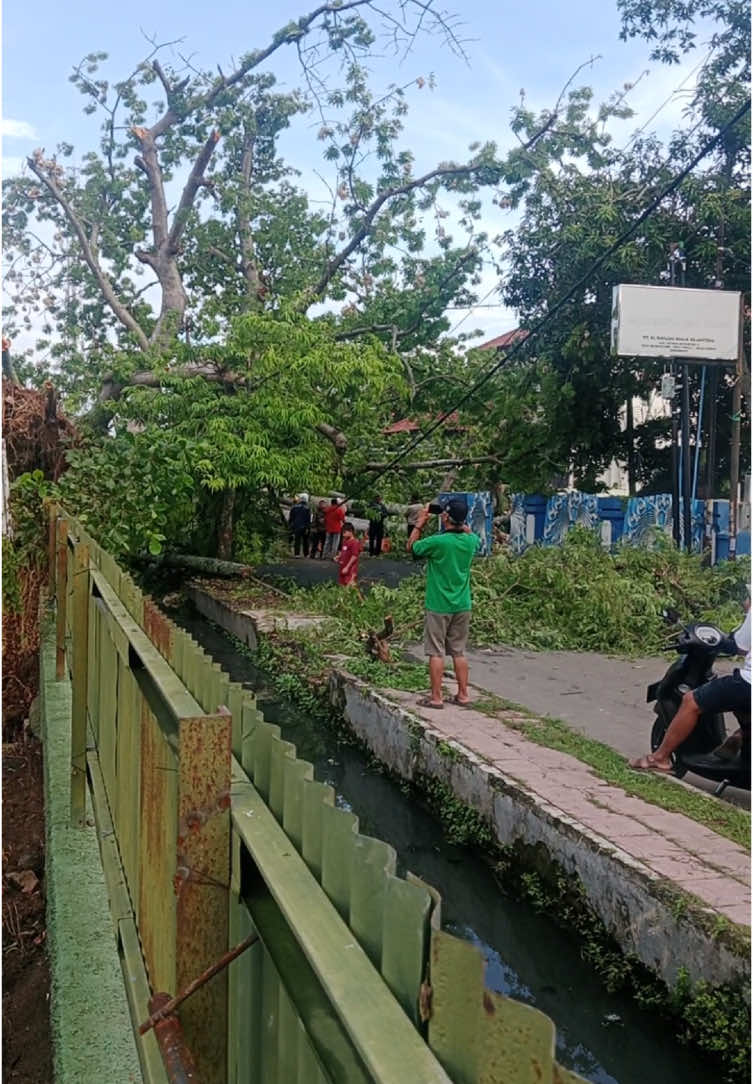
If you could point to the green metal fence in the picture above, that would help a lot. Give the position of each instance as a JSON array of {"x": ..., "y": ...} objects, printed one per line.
[{"x": 222, "y": 832}]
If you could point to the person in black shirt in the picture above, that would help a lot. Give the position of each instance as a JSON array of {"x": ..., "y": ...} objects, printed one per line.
[
  {"x": 300, "y": 524},
  {"x": 377, "y": 516}
]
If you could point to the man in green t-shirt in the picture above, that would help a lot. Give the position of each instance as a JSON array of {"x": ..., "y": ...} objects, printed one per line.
[{"x": 448, "y": 595}]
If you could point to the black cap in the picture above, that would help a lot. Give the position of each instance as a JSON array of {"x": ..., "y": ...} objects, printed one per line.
[{"x": 457, "y": 509}]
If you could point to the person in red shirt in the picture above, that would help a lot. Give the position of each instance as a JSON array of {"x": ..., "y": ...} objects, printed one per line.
[
  {"x": 348, "y": 559},
  {"x": 334, "y": 517}
]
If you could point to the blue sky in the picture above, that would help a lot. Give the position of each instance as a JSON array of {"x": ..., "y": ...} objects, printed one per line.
[{"x": 534, "y": 45}]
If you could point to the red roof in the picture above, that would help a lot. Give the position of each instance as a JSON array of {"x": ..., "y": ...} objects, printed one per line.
[
  {"x": 403, "y": 426},
  {"x": 407, "y": 425},
  {"x": 504, "y": 342}
]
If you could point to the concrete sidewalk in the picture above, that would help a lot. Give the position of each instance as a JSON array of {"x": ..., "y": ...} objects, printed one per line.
[{"x": 668, "y": 845}]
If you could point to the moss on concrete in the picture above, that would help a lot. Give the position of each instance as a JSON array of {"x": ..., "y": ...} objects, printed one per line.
[{"x": 93, "y": 1038}]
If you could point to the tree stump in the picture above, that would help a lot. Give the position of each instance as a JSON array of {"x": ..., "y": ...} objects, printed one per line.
[{"x": 376, "y": 643}]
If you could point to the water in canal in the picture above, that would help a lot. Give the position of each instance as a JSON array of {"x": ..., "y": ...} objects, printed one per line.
[{"x": 527, "y": 957}]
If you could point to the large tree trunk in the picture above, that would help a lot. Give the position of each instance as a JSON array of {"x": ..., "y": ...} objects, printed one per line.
[
  {"x": 174, "y": 301},
  {"x": 225, "y": 525}
]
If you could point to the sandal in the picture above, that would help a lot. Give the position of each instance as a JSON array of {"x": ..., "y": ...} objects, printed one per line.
[
  {"x": 645, "y": 764},
  {"x": 460, "y": 703},
  {"x": 425, "y": 702}
]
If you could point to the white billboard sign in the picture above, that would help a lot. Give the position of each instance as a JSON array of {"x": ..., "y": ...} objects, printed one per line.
[{"x": 675, "y": 322}]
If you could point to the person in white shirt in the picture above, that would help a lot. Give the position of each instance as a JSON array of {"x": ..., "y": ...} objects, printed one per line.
[{"x": 729, "y": 693}]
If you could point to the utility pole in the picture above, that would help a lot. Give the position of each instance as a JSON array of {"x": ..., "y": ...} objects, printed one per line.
[
  {"x": 718, "y": 284},
  {"x": 676, "y": 271},
  {"x": 674, "y": 462},
  {"x": 679, "y": 265},
  {"x": 686, "y": 494},
  {"x": 734, "y": 444},
  {"x": 711, "y": 442}
]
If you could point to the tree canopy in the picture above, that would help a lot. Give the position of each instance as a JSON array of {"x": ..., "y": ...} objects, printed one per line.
[{"x": 195, "y": 301}]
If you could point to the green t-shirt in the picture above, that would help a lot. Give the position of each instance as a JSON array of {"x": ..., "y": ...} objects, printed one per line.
[{"x": 448, "y": 576}]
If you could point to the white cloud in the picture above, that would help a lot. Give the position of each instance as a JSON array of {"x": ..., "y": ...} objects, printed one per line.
[{"x": 16, "y": 129}]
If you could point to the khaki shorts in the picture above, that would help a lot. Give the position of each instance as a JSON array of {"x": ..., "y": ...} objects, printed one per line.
[{"x": 446, "y": 634}]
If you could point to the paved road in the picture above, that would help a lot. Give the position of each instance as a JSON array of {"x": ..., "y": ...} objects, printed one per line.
[{"x": 307, "y": 572}]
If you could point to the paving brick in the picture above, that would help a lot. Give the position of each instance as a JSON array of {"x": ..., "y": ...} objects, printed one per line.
[
  {"x": 718, "y": 891},
  {"x": 683, "y": 869}
]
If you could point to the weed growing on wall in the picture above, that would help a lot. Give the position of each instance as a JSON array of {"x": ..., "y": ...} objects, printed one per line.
[{"x": 715, "y": 1020}]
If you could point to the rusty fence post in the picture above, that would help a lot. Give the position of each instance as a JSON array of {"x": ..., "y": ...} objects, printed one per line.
[
  {"x": 79, "y": 682},
  {"x": 61, "y": 595},
  {"x": 202, "y": 884}
]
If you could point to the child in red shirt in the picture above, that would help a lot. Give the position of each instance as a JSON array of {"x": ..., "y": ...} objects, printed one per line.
[{"x": 348, "y": 558}]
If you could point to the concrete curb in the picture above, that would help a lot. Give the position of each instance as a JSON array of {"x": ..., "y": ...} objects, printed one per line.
[
  {"x": 648, "y": 916},
  {"x": 92, "y": 1034},
  {"x": 247, "y": 625}
]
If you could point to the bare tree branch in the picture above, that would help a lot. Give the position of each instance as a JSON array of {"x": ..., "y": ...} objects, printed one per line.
[
  {"x": 148, "y": 162},
  {"x": 37, "y": 166},
  {"x": 113, "y": 388},
  {"x": 356, "y": 332},
  {"x": 192, "y": 185},
  {"x": 337, "y": 438},
  {"x": 372, "y": 211},
  {"x": 249, "y": 267}
]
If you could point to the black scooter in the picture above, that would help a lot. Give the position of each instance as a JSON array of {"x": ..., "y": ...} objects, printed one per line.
[{"x": 698, "y": 645}]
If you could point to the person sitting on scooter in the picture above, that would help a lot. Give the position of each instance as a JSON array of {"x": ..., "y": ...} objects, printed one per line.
[{"x": 729, "y": 693}]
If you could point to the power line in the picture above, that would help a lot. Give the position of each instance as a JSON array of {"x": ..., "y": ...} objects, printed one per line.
[
  {"x": 678, "y": 89},
  {"x": 472, "y": 309},
  {"x": 585, "y": 277},
  {"x": 620, "y": 153}
]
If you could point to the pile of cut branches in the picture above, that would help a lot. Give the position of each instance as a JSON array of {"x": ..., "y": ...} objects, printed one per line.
[
  {"x": 36, "y": 434},
  {"x": 36, "y": 439},
  {"x": 20, "y": 644}
]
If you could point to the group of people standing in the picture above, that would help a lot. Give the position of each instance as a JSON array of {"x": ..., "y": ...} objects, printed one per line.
[
  {"x": 448, "y": 554},
  {"x": 320, "y": 535}
]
